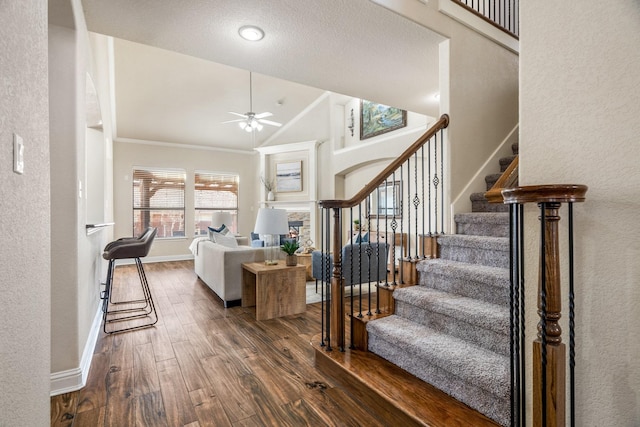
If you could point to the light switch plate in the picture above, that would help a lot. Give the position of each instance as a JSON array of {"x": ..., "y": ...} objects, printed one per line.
[{"x": 18, "y": 154}]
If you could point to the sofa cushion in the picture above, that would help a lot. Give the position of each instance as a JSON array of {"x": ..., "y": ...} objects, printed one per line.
[{"x": 226, "y": 241}]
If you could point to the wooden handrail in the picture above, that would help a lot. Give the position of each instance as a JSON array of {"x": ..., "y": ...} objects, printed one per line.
[
  {"x": 442, "y": 123},
  {"x": 556, "y": 193},
  {"x": 508, "y": 179}
]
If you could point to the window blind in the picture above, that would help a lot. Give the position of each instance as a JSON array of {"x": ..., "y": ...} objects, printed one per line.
[
  {"x": 158, "y": 201},
  {"x": 215, "y": 192}
]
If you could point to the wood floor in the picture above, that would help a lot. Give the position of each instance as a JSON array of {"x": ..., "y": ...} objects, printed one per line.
[{"x": 204, "y": 365}]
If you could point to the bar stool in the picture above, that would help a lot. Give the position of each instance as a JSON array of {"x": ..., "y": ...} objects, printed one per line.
[{"x": 131, "y": 309}]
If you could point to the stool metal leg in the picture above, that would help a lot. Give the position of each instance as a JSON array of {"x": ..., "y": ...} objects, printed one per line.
[{"x": 131, "y": 313}]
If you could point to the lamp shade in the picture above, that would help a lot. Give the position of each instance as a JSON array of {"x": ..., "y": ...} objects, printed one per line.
[
  {"x": 271, "y": 221},
  {"x": 219, "y": 218}
]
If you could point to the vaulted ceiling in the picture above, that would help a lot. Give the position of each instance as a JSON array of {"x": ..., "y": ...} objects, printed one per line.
[{"x": 181, "y": 65}]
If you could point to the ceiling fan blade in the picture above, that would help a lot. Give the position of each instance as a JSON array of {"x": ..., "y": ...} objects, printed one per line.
[
  {"x": 263, "y": 115},
  {"x": 269, "y": 122},
  {"x": 234, "y": 121},
  {"x": 238, "y": 114}
]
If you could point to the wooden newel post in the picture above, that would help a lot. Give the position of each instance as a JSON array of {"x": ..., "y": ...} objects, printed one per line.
[
  {"x": 549, "y": 352},
  {"x": 337, "y": 290}
]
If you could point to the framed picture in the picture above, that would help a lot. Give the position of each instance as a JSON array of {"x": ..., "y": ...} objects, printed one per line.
[
  {"x": 386, "y": 200},
  {"x": 289, "y": 176},
  {"x": 376, "y": 119}
]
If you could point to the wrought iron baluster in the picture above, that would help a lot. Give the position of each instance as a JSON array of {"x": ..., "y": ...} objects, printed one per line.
[
  {"x": 416, "y": 200},
  {"x": 422, "y": 182},
  {"x": 429, "y": 185},
  {"x": 542, "y": 328},
  {"x": 442, "y": 186},
  {"x": 408, "y": 257},
  {"x": 572, "y": 324},
  {"x": 435, "y": 182},
  {"x": 523, "y": 387}
]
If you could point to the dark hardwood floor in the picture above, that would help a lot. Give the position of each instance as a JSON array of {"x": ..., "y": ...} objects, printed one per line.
[{"x": 204, "y": 365}]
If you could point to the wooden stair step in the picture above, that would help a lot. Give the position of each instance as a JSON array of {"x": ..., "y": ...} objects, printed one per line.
[{"x": 395, "y": 396}]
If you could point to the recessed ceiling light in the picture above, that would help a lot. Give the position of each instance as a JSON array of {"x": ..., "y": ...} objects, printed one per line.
[{"x": 251, "y": 33}]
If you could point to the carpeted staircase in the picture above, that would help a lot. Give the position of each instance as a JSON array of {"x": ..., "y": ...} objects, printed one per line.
[{"x": 452, "y": 330}]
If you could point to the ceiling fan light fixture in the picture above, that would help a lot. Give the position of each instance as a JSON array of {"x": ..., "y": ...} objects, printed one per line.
[{"x": 251, "y": 33}]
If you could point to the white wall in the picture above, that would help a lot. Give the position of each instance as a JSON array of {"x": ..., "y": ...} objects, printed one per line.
[
  {"x": 24, "y": 216},
  {"x": 76, "y": 262},
  {"x": 478, "y": 88},
  {"x": 580, "y": 102},
  {"x": 127, "y": 155}
]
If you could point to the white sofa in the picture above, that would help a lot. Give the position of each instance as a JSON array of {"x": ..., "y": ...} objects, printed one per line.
[{"x": 220, "y": 267}]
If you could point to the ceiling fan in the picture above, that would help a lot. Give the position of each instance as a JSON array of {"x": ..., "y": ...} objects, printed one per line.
[{"x": 251, "y": 121}]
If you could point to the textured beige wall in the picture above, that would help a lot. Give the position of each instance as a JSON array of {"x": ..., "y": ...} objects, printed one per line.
[
  {"x": 128, "y": 155},
  {"x": 24, "y": 216},
  {"x": 580, "y": 102}
]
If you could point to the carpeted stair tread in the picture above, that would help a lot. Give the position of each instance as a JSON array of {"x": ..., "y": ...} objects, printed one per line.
[
  {"x": 480, "y": 242},
  {"x": 490, "y": 284},
  {"x": 480, "y": 204},
  {"x": 468, "y": 362},
  {"x": 491, "y": 276},
  {"x": 491, "y": 179},
  {"x": 480, "y": 313},
  {"x": 483, "y": 217},
  {"x": 484, "y": 250},
  {"x": 494, "y": 224},
  {"x": 478, "y": 322}
]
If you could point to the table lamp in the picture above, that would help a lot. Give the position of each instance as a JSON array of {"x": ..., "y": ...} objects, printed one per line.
[
  {"x": 271, "y": 223},
  {"x": 218, "y": 218}
]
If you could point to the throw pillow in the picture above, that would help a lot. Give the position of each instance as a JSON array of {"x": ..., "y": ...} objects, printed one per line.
[
  {"x": 226, "y": 241},
  {"x": 223, "y": 230},
  {"x": 362, "y": 237}
]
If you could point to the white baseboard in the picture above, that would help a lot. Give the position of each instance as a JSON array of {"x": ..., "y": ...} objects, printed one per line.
[{"x": 76, "y": 378}]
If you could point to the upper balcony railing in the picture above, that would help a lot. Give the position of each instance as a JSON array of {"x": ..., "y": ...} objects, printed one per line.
[{"x": 503, "y": 14}]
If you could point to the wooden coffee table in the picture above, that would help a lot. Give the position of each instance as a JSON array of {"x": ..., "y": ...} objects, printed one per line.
[{"x": 275, "y": 290}]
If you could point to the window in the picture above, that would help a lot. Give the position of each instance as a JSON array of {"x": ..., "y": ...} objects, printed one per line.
[
  {"x": 215, "y": 193},
  {"x": 158, "y": 201}
]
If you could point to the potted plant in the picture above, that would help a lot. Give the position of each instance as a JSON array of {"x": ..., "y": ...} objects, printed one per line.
[
  {"x": 290, "y": 247},
  {"x": 356, "y": 224}
]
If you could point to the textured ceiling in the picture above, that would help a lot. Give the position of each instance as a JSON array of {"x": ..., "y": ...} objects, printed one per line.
[{"x": 350, "y": 47}]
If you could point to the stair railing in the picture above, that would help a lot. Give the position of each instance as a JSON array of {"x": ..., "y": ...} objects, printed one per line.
[
  {"x": 549, "y": 353},
  {"x": 502, "y": 14},
  {"x": 397, "y": 215},
  {"x": 508, "y": 179}
]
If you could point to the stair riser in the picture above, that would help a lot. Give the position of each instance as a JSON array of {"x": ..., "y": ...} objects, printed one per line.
[
  {"x": 484, "y": 206},
  {"x": 505, "y": 162},
  {"x": 481, "y": 400},
  {"x": 460, "y": 286},
  {"x": 491, "y": 340},
  {"x": 488, "y": 257},
  {"x": 480, "y": 229}
]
